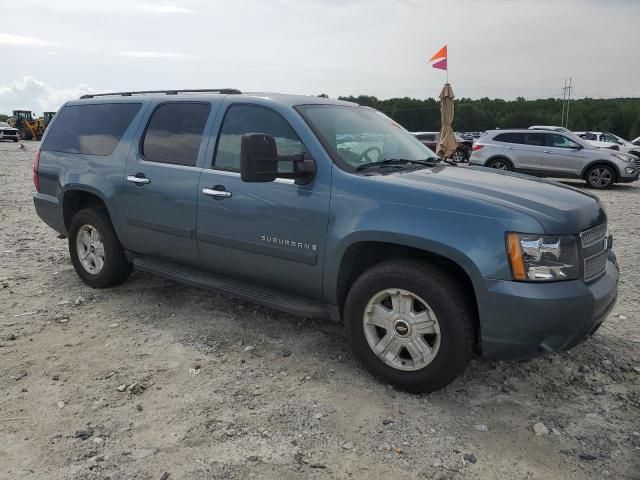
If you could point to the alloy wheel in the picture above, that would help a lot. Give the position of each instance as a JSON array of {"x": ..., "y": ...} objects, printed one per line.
[
  {"x": 600, "y": 177},
  {"x": 90, "y": 248},
  {"x": 401, "y": 329}
]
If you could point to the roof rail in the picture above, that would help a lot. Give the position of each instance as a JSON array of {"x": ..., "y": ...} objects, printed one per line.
[{"x": 226, "y": 91}]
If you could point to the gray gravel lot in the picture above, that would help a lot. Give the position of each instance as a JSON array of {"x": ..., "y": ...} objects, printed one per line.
[{"x": 216, "y": 388}]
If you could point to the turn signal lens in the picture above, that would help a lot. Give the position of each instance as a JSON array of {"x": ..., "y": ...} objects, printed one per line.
[{"x": 514, "y": 251}]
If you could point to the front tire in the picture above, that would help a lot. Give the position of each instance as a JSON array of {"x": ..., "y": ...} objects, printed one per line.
[
  {"x": 410, "y": 324},
  {"x": 95, "y": 250},
  {"x": 600, "y": 176}
]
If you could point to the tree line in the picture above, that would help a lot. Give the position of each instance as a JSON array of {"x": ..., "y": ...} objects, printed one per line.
[{"x": 617, "y": 115}]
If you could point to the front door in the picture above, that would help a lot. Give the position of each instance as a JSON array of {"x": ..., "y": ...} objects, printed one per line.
[
  {"x": 561, "y": 155},
  {"x": 270, "y": 233},
  {"x": 161, "y": 182}
]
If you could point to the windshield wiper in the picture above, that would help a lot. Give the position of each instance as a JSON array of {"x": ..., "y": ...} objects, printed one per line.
[{"x": 397, "y": 162}]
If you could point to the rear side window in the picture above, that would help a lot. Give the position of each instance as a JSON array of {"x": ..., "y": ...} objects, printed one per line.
[
  {"x": 520, "y": 138},
  {"x": 175, "y": 132},
  {"x": 90, "y": 129},
  {"x": 510, "y": 137},
  {"x": 533, "y": 139}
]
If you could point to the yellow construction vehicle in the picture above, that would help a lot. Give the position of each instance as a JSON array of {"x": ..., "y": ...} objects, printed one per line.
[
  {"x": 28, "y": 127},
  {"x": 47, "y": 117}
]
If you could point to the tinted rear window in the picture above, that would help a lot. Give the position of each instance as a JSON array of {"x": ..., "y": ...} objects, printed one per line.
[
  {"x": 520, "y": 138},
  {"x": 175, "y": 132},
  {"x": 90, "y": 129}
]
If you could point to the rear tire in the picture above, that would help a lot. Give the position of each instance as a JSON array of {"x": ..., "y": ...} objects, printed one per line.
[
  {"x": 500, "y": 164},
  {"x": 95, "y": 250},
  {"x": 428, "y": 337},
  {"x": 600, "y": 176},
  {"x": 458, "y": 156}
]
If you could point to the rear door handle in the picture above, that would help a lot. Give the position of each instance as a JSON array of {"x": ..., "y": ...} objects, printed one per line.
[
  {"x": 138, "y": 179},
  {"x": 218, "y": 191}
]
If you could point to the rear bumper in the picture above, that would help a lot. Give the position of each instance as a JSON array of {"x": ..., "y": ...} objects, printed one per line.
[
  {"x": 522, "y": 320},
  {"x": 50, "y": 211}
]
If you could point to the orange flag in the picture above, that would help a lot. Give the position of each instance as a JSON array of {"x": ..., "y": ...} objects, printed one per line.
[{"x": 442, "y": 53}]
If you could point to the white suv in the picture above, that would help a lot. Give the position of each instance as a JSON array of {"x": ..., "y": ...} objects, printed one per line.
[{"x": 623, "y": 145}]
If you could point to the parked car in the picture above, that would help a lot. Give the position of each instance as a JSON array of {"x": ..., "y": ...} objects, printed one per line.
[
  {"x": 430, "y": 139},
  {"x": 595, "y": 142},
  {"x": 427, "y": 263},
  {"x": 554, "y": 154},
  {"x": 623, "y": 145},
  {"x": 7, "y": 132}
]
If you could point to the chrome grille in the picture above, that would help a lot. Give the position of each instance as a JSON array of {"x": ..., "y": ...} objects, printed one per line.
[
  {"x": 595, "y": 266},
  {"x": 594, "y": 251},
  {"x": 593, "y": 235}
]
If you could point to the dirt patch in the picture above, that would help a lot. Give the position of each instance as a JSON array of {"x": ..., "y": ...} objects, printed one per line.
[{"x": 153, "y": 377}]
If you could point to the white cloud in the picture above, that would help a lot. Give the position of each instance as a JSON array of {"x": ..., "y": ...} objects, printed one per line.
[
  {"x": 160, "y": 55},
  {"x": 28, "y": 93},
  {"x": 19, "y": 40},
  {"x": 154, "y": 8}
]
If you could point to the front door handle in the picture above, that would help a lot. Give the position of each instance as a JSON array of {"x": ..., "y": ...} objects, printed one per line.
[
  {"x": 218, "y": 191},
  {"x": 547, "y": 151},
  {"x": 138, "y": 179}
]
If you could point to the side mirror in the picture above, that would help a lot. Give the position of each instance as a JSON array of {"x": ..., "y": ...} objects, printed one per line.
[
  {"x": 259, "y": 161},
  {"x": 258, "y": 158}
]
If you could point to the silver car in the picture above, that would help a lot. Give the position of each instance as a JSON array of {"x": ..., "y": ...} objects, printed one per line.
[{"x": 554, "y": 154}]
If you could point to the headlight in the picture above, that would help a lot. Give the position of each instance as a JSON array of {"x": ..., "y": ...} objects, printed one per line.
[
  {"x": 624, "y": 158},
  {"x": 542, "y": 258}
]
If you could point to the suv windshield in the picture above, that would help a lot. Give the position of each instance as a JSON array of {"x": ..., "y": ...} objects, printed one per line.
[{"x": 358, "y": 136}]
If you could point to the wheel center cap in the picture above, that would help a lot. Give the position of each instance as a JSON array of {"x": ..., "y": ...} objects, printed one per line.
[
  {"x": 92, "y": 249},
  {"x": 402, "y": 329}
]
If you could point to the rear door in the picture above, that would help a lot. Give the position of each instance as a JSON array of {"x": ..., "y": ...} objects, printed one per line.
[
  {"x": 561, "y": 155},
  {"x": 524, "y": 149},
  {"x": 161, "y": 181}
]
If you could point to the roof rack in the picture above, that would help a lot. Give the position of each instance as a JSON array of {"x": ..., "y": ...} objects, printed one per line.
[{"x": 225, "y": 91}]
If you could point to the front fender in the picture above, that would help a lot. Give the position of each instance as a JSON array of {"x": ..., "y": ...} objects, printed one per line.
[{"x": 452, "y": 227}]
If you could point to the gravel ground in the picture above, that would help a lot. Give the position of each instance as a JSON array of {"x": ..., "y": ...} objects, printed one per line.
[{"x": 216, "y": 388}]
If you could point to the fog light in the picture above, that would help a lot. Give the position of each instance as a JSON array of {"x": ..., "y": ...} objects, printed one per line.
[{"x": 629, "y": 170}]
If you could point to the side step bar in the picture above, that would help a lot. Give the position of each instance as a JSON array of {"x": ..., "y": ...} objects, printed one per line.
[{"x": 286, "y": 302}]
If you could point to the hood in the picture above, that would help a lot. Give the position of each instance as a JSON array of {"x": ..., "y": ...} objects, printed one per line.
[{"x": 560, "y": 209}]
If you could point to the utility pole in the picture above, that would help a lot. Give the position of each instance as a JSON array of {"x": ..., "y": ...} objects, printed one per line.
[
  {"x": 566, "y": 99},
  {"x": 564, "y": 96},
  {"x": 569, "y": 101}
]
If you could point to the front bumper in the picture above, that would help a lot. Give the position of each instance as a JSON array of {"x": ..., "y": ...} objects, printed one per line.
[{"x": 522, "y": 320}]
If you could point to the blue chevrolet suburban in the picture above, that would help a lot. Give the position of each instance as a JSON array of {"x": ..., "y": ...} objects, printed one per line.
[{"x": 320, "y": 207}]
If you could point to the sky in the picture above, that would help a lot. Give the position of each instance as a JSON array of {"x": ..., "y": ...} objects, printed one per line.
[{"x": 57, "y": 50}]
